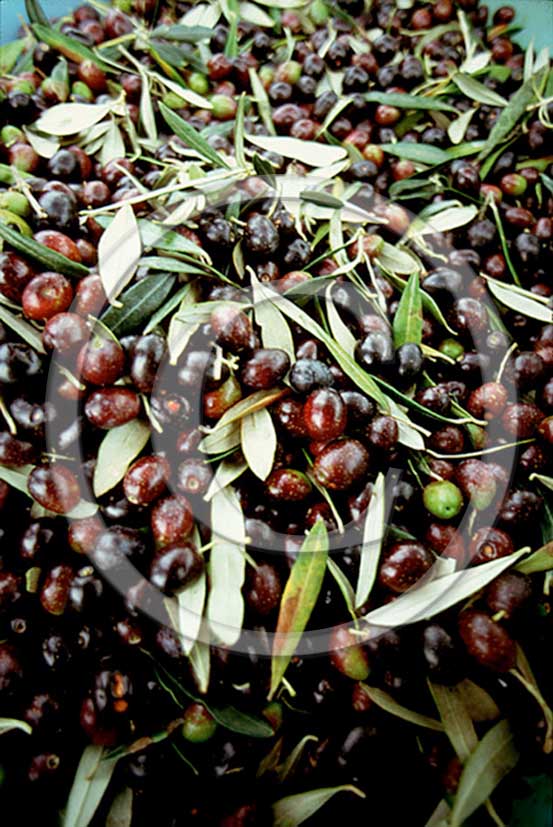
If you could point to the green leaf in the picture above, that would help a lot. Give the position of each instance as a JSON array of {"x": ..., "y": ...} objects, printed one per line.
[
  {"x": 89, "y": 785},
  {"x": 339, "y": 329},
  {"x": 70, "y": 118},
  {"x": 228, "y": 716},
  {"x": 455, "y": 718},
  {"x": 298, "y": 600},
  {"x": 36, "y": 13},
  {"x": 239, "y": 132},
  {"x": 477, "y": 91},
  {"x": 17, "y": 477},
  {"x": 295, "y": 809},
  {"x": 68, "y": 46},
  {"x": 275, "y": 331},
  {"x": 540, "y": 560},
  {"x": 457, "y": 128},
  {"x": 259, "y": 442},
  {"x": 183, "y": 34},
  {"x": 9, "y": 53},
  {"x": 507, "y": 121},
  {"x": 262, "y": 101},
  {"x": 404, "y": 101},
  {"x": 23, "y": 329},
  {"x": 9, "y": 724},
  {"x": 119, "y": 447},
  {"x": 322, "y": 199},
  {"x": 493, "y": 759},
  {"x": 185, "y": 611},
  {"x": 389, "y": 704},
  {"x": 419, "y": 153},
  {"x": 264, "y": 168},
  {"x": 227, "y": 567},
  {"x": 373, "y": 534},
  {"x": 191, "y": 137},
  {"x": 50, "y": 259},
  {"x": 407, "y": 324},
  {"x": 138, "y": 303},
  {"x": 547, "y": 182}
]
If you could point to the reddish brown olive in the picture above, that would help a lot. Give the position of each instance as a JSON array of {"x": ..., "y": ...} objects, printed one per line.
[
  {"x": 486, "y": 641},
  {"x": 55, "y": 487}
]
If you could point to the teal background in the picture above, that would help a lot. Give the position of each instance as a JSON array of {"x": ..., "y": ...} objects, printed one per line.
[{"x": 535, "y": 17}]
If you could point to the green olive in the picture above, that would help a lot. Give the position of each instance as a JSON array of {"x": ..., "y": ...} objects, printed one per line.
[{"x": 443, "y": 499}]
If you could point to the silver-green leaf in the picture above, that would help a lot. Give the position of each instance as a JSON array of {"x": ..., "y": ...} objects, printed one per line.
[{"x": 116, "y": 452}]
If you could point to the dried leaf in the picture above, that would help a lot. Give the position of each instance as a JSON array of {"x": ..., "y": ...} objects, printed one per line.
[
  {"x": 457, "y": 128},
  {"x": 373, "y": 534},
  {"x": 120, "y": 813},
  {"x": 423, "y": 602},
  {"x": 119, "y": 252},
  {"x": 119, "y": 447},
  {"x": 89, "y": 785},
  {"x": 70, "y": 118},
  {"x": 298, "y": 600},
  {"x": 306, "y": 152},
  {"x": 295, "y": 809},
  {"x": 521, "y": 301},
  {"x": 259, "y": 442},
  {"x": 227, "y": 565},
  {"x": 407, "y": 323},
  {"x": 389, "y": 704},
  {"x": 493, "y": 759}
]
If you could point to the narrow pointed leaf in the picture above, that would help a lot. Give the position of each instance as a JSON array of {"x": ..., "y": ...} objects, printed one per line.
[
  {"x": 407, "y": 324},
  {"x": 138, "y": 303},
  {"x": 9, "y": 724},
  {"x": 259, "y": 441},
  {"x": 119, "y": 447},
  {"x": 119, "y": 252},
  {"x": 89, "y": 785},
  {"x": 191, "y": 137},
  {"x": 298, "y": 600},
  {"x": 295, "y": 809},
  {"x": 389, "y": 704},
  {"x": 373, "y": 534}
]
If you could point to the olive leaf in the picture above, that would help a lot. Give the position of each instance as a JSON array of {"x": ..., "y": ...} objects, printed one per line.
[
  {"x": 306, "y": 152},
  {"x": 222, "y": 439},
  {"x": 419, "y": 153},
  {"x": 259, "y": 442},
  {"x": 9, "y": 724},
  {"x": 493, "y": 759},
  {"x": 510, "y": 116},
  {"x": 120, "y": 813},
  {"x": 16, "y": 477},
  {"x": 275, "y": 331},
  {"x": 69, "y": 118},
  {"x": 298, "y": 600},
  {"x": 227, "y": 471},
  {"x": 338, "y": 327},
  {"x": 343, "y": 584},
  {"x": 119, "y": 251},
  {"x": 547, "y": 182},
  {"x": 182, "y": 33},
  {"x": 408, "y": 320},
  {"x": 182, "y": 91},
  {"x": 397, "y": 260},
  {"x": 425, "y": 601},
  {"x": 120, "y": 446},
  {"x": 455, "y": 718},
  {"x": 457, "y": 128},
  {"x": 89, "y": 785},
  {"x": 23, "y": 329},
  {"x": 50, "y": 259},
  {"x": 477, "y": 91},
  {"x": 540, "y": 560},
  {"x": 286, "y": 769},
  {"x": 253, "y": 14},
  {"x": 389, "y": 704},
  {"x": 9, "y": 54},
  {"x": 239, "y": 131},
  {"x": 43, "y": 145},
  {"x": 251, "y": 403},
  {"x": 200, "y": 661},
  {"x": 522, "y": 301},
  {"x": 322, "y": 199},
  {"x": 449, "y": 219},
  {"x": 227, "y": 566},
  {"x": 479, "y": 704},
  {"x": 113, "y": 145},
  {"x": 373, "y": 534},
  {"x": 68, "y": 46},
  {"x": 262, "y": 100},
  {"x": 295, "y": 809},
  {"x": 405, "y": 101},
  {"x": 191, "y": 137},
  {"x": 185, "y": 611},
  {"x": 138, "y": 303}
]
